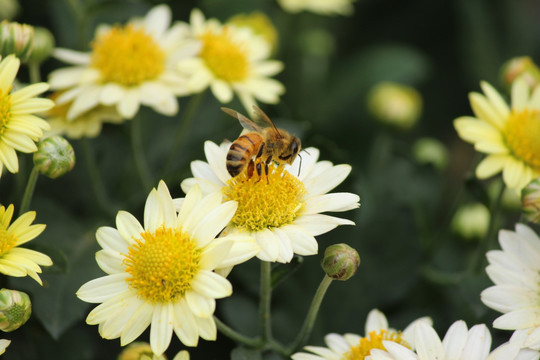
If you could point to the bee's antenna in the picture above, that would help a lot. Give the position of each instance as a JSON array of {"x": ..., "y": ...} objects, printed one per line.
[
  {"x": 300, "y": 165},
  {"x": 307, "y": 152}
]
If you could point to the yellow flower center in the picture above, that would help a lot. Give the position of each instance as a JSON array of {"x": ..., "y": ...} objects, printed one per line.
[
  {"x": 224, "y": 57},
  {"x": 162, "y": 264},
  {"x": 374, "y": 340},
  {"x": 5, "y": 111},
  {"x": 265, "y": 202},
  {"x": 522, "y": 136},
  {"x": 127, "y": 56},
  {"x": 7, "y": 241}
]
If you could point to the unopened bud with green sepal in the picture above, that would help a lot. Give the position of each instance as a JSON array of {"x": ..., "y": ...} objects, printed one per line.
[
  {"x": 54, "y": 157},
  {"x": 43, "y": 45},
  {"x": 17, "y": 39},
  {"x": 340, "y": 261},
  {"x": 530, "y": 199},
  {"x": 15, "y": 309}
]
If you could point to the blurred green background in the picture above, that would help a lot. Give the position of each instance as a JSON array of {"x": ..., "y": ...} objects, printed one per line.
[{"x": 413, "y": 265}]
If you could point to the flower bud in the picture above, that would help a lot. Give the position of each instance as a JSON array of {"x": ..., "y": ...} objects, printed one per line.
[
  {"x": 43, "y": 45},
  {"x": 8, "y": 9},
  {"x": 16, "y": 39},
  {"x": 395, "y": 105},
  {"x": 54, "y": 157},
  {"x": 530, "y": 198},
  {"x": 182, "y": 355},
  {"x": 430, "y": 151},
  {"x": 260, "y": 24},
  {"x": 520, "y": 67},
  {"x": 340, "y": 261},
  {"x": 15, "y": 309},
  {"x": 471, "y": 221},
  {"x": 139, "y": 351}
]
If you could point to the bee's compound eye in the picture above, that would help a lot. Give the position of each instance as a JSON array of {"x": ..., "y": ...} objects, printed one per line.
[{"x": 294, "y": 147}]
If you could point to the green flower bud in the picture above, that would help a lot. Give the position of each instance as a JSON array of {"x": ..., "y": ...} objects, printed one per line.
[
  {"x": 8, "y": 9},
  {"x": 182, "y": 355},
  {"x": 396, "y": 105},
  {"x": 43, "y": 45},
  {"x": 139, "y": 351},
  {"x": 15, "y": 309},
  {"x": 471, "y": 221},
  {"x": 340, "y": 261},
  {"x": 430, "y": 151},
  {"x": 54, "y": 157},
  {"x": 530, "y": 198},
  {"x": 16, "y": 39},
  {"x": 520, "y": 67}
]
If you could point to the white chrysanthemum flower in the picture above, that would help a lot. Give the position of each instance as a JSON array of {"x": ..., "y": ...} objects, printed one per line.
[
  {"x": 352, "y": 346},
  {"x": 128, "y": 66},
  {"x": 510, "y": 136},
  {"x": 282, "y": 212},
  {"x": 20, "y": 129},
  {"x": 232, "y": 60},
  {"x": 515, "y": 270},
  {"x": 459, "y": 343},
  {"x": 162, "y": 274},
  {"x": 323, "y": 7}
]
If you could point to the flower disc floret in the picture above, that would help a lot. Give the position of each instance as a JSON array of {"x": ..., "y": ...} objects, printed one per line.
[
  {"x": 162, "y": 264},
  {"x": 269, "y": 201},
  {"x": 127, "y": 55},
  {"x": 374, "y": 340},
  {"x": 5, "y": 111},
  {"x": 522, "y": 136}
]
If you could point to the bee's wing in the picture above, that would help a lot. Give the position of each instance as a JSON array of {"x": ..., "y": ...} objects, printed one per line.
[
  {"x": 264, "y": 121},
  {"x": 244, "y": 121}
]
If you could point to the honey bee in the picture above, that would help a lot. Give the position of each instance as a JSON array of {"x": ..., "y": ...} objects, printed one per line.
[{"x": 263, "y": 143}]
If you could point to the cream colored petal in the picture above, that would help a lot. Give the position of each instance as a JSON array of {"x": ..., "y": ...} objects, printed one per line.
[
  {"x": 498, "y": 298},
  {"x": 110, "y": 238},
  {"x": 153, "y": 213},
  {"x": 8, "y": 157},
  {"x": 22, "y": 222},
  {"x": 103, "y": 288},
  {"x": 162, "y": 328},
  {"x": 269, "y": 245},
  {"x": 12, "y": 269},
  {"x": 87, "y": 100},
  {"x": 118, "y": 309},
  {"x": 186, "y": 327},
  {"x": 128, "y": 106},
  {"x": 519, "y": 319},
  {"x": 455, "y": 339},
  {"x": 427, "y": 342},
  {"x": 8, "y": 72},
  {"x": 22, "y": 261},
  {"x": 534, "y": 101},
  {"x": 113, "y": 326},
  {"x": 409, "y": 332},
  {"x": 491, "y": 165},
  {"x": 202, "y": 170},
  {"x": 138, "y": 322},
  {"x": 513, "y": 173},
  {"x": 520, "y": 94},
  {"x": 318, "y": 224},
  {"x": 337, "y": 343},
  {"x": 473, "y": 130},
  {"x": 110, "y": 261},
  {"x": 484, "y": 110},
  {"x": 30, "y": 106},
  {"x": 200, "y": 306},
  {"x": 331, "y": 202},
  {"x": 375, "y": 321},
  {"x": 65, "y": 78},
  {"x": 222, "y": 91},
  {"x": 193, "y": 196},
  {"x": 268, "y": 68},
  {"x": 217, "y": 160},
  {"x": 304, "y": 163},
  {"x": 497, "y": 101},
  {"x": 207, "y": 328},
  {"x": 167, "y": 204},
  {"x": 28, "y": 92},
  {"x": 32, "y": 255},
  {"x": 244, "y": 248},
  {"x": 215, "y": 253},
  {"x": 19, "y": 142},
  {"x": 157, "y": 20},
  {"x": 302, "y": 242},
  {"x": 203, "y": 207},
  {"x": 478, "y": 342},
  {"x": 111, "y": 93},
  {"x": 72, "y": 56},
  {"x": 213, "y": 222},
  {"x": 286, "y": 251},
  {"x": 210, "y": 284},
  {"x": 327, "y": 180},
  {"x": 128, "y": 226}
]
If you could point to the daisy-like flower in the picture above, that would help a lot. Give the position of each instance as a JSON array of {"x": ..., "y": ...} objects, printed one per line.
[
  {"x": 128, "y": 66},
  {"x": 323, "y": 7},
  {"x": 283, "y": 211},
  {"x": 356, "y": 347},
  {"x": 510, "y": 136},
  {"x": 14, "y": 260},
  {"x": 162, "y": 274},
  {"x": 459, "y": 343},
  {"x": 19, "y": 127},
  {"x": 3, "y": 345},
  {"x": 232, "y": 60},
  {"x": 515, "y": 271},
  {"x": 87, "y": 124}
]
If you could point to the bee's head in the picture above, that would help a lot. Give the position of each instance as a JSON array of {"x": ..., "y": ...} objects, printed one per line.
[{"x": 291, "y": 150}]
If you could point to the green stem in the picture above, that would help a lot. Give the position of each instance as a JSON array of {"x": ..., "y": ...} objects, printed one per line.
[
  {"x": 185, "y": 122},
  {"x": 489, "y": 240},
  {"x": 29, "y": 191},
  {"x": 95, "y": 177},
  {"x": 138, "y": 154},
  {"x": 265, "y": 301},
  {"x": 236, "y": 336},
  {"x": 304, "y": 333},
  {"x": 34, "y": 72}
]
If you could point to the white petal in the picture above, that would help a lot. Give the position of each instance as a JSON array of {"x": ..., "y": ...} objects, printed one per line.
[
  {"x": 109, "y": 238},
  {"x": 137, "y": 323},
  {"x": 200, "y": 306},
  {"x": 331, "y": 202},
  {"x": 269, "y": 245},
  {"x": 327, "y": 180},
  {"x": 103, "y": 288},
  {"x": 210, "y": 284},
  {"x": 375, "y": 321},
  {"x": 186, "y": 327},
  {"x": 128, "y": 226},
  {"x": 214, "y": 221},
  {"x": 162, "y": 327}
]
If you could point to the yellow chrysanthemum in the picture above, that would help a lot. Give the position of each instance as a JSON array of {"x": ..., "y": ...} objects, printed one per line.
[
  {"x": 19, "y": 127},
  {"x": 14, "y": 260},
  {"x": 162, "y": 275},
  {"x": 510, "y": 136}
]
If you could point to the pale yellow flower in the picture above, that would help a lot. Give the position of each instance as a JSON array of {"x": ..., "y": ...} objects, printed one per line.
[
  {"x": 509, "y": 135},
  {"x": 15, "y": 260},
  {"x": 323, "y": 7}
]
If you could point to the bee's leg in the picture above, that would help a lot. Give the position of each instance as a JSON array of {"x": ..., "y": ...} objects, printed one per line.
[
  {"x": 258, "y": 160},
  {"x": 266, "y": 164},
  {"x": 251, "y": 166}
]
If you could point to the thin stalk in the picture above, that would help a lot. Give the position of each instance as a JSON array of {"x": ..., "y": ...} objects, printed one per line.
[
  {"x": 311, "y": 316},
  {"x": 138, "y": 154},
  {"x": 34, "y": 72},
  {"x": 185, "y": 122},
  {"x": 95, "y": 177},
  {"x": 265, "y": 301},
  {"x": 29, "y": 190},
  {"x": 236, "y": 336}
]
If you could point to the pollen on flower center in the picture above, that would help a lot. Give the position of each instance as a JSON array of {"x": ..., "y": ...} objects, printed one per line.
[
  {"x": 374, "y": 340},
  {"x": 266, "y": 201},
  {"x": 5, "y": 111},
  {"x": 162, "y": 264},
  {"x": 127, "y": 56},
  {"x": 7, "y": 241},
  {"x": 224, "y": 57},
  {"x": 522, "y": 136}
]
